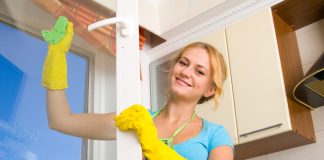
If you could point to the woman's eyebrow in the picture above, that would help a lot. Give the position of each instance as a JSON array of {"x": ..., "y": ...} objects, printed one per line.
[
  {"x": 182, "y": 57},
  {"x": 203, "y": 67},
  {"x": 198, "y": 65}
]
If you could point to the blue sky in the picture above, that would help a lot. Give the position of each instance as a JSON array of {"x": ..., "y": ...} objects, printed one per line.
[{"x": 25, "y": 135}]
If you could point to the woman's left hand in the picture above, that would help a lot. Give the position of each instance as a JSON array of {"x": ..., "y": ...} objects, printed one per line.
[{"x": 139, "y": 119}]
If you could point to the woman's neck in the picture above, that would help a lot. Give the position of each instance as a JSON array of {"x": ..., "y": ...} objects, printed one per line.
[{"x": 176, "y": 111}]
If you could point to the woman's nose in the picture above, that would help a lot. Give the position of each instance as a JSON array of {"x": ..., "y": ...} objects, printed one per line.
[{"x": 186, "y": 72}]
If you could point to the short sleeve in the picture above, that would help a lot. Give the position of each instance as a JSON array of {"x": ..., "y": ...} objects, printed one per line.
[{"x": 220, "y": 137}]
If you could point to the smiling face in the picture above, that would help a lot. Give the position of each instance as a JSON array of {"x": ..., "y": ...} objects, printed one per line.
[{"x": 191, "y": 75}]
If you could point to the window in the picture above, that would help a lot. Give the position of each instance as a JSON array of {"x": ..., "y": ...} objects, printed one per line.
[{"x": 24, "y": 132}]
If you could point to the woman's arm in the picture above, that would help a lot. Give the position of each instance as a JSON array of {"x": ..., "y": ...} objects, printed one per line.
[
  {"x": 221, "y": 153},
  {"x": 54, "y": 79},
  {"x": 87, "y": 125}
]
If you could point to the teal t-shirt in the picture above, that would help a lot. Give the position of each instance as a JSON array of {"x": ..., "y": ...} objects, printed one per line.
[{"x": 198, "y": 147}]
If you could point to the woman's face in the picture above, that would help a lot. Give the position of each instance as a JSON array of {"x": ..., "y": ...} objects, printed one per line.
[{"x": 191, "y": 76}]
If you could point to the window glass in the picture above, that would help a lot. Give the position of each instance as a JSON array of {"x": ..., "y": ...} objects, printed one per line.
[{"x": 24, "y": 132}]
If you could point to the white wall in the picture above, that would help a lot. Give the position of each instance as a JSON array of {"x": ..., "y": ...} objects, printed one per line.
[
  {"x": 310, "y": 43},
  {"x": 311, "y": 46}
]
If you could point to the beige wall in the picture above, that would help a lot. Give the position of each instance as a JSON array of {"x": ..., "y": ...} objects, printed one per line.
[{"x": 311, "y": 43}]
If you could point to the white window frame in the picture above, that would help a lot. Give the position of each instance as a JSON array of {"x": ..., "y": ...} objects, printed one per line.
[{"x": 126, "y": 83}]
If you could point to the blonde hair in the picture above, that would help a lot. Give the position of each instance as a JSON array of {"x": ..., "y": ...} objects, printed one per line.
[{"x": 218, "y": 68}]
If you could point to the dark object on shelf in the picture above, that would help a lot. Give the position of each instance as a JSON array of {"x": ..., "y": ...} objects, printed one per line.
[{"x": 310, "y": 90}]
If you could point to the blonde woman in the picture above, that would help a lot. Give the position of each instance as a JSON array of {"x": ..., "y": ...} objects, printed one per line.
[{"x": 175, "y": 132}]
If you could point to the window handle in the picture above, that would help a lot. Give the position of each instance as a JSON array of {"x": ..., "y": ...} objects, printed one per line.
[{"x": 124, "y": 31}]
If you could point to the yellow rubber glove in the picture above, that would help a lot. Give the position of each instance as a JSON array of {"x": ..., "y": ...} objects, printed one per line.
[
  {"x": 55, "y": 67},
  {"x": 139, "y": 119}
]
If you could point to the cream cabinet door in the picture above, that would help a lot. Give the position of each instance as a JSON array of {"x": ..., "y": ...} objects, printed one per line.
[
  {"x": 258, "y": 86},
  {"x": 225, "y": 113}
]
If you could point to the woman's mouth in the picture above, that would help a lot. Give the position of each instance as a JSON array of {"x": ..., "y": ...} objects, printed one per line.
[{"x": 182, "y": 82}]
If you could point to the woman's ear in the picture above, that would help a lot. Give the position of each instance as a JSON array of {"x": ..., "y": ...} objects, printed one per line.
[{"x": 210, "y": 91}]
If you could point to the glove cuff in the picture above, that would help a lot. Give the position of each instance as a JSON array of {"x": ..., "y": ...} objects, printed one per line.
[
  {"x": 55, "y": 70},
  {"x": 160, "y": 151}
]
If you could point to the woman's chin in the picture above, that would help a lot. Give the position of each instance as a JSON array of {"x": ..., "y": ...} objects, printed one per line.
[{"x": 180, "y": 92}]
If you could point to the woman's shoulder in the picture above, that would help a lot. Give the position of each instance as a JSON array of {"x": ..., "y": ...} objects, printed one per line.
[
  {"x": 212, "y": 126},
  {"x": 217, "y": 135}
]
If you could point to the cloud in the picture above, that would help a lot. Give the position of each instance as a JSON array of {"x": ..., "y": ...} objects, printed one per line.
[
  {"x": 28, "y": 155},
  {"x": 17, "y": 133}
]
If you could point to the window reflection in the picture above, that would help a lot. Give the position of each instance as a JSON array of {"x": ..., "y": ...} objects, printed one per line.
[{"x": 24, "y": 132}]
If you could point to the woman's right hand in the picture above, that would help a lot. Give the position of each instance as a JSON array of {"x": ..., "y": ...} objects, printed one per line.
[{"x": 55, "y": 67}]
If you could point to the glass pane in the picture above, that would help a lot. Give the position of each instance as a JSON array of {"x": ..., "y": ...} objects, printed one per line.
[
  {"x": 159, "y": 71},
  {"x": 24, "y": 132},
  {"x": 37, "y": 15}
]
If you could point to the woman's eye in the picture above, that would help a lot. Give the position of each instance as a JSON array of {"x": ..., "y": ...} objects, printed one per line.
[
  {"x": 182, "y": 63},
  {"x": 201, "y": 72}
]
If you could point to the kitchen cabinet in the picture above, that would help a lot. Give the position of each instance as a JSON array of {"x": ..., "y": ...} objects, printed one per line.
[
  {"x": 259, "y": 92},
  {"x": 265, "y": 64}
]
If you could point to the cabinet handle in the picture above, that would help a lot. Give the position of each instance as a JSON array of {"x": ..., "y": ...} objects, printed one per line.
[{"x": 260, "y": 130}]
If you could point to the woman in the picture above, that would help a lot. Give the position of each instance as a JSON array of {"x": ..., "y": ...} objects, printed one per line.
[{"x": 196, "y": 75}]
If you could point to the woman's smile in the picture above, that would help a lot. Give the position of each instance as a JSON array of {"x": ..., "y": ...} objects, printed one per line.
[{"x": 182, "y": 82}]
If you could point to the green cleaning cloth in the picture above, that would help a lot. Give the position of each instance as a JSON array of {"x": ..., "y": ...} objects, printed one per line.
[{"x": 57, "y": 33}]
